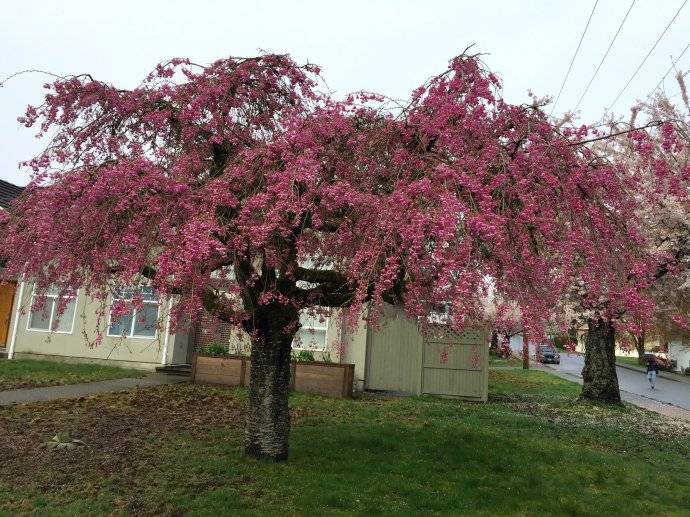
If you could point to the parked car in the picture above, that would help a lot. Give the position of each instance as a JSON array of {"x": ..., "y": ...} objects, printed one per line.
[{"x": 546, "y": 353}]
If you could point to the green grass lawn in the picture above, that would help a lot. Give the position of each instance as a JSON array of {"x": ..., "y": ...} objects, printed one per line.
[
  {"x": 509, "y": 361},
  {"x": 177, "y": 450},
  {"x": 27, "y": 373},
  {"x": 631, "y": 361}
]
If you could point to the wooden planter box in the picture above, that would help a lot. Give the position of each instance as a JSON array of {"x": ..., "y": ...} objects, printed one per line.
[
  {"x": 228, "y": 370},
  {"x": 333, "y": 380}
]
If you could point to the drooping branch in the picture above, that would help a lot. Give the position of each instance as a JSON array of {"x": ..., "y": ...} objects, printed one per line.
[{"x": 654, "y": 123}]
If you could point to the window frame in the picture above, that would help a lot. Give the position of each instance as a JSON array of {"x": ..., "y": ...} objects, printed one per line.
[
  {"x": 53, "y": 297},
  {"x": 131, "y": 334},
  {"x": 311, "y": 328}
]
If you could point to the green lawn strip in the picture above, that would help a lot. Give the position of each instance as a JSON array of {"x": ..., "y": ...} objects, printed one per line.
[
  {"x": 531, "y": 450},
  {"x": 29, "y": 373},
  {"x": 631, "y": 361},
  {"x": 508, "y": 361}
]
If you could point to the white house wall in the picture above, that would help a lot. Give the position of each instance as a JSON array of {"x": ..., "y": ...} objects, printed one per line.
[{"x": 680, "y": 353}]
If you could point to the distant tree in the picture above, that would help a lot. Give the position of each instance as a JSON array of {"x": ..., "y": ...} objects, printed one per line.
[
  {"x": 238, "y": 189},
  {"x": 650, "y": 282}
]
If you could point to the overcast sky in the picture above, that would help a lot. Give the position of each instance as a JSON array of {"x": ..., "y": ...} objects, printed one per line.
[{"x": 384, "y": 46}]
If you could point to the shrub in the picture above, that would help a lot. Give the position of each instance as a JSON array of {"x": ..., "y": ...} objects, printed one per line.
[
  {"x": 504, "y": 351},
  {"x": 217, "y": 350},
  {"x": 303, "y": 356}
]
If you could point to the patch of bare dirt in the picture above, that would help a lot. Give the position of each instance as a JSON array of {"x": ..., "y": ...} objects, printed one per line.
[{"x": 120, "y": 431}]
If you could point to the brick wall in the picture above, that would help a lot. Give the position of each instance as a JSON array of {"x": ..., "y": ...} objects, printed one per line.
[{"x": 211, "y": 330}]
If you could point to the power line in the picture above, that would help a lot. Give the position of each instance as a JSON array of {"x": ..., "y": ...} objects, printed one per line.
[
  {"x": 577, "y": 50},
  {"x": 647, "y": 56},
  {"x": 673, "y": 65},
  {"x": 605, "y": 55}
]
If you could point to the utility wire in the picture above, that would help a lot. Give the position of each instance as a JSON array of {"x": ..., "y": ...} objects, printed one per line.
[
  {"x": 577, "y": 50},
  {"x": 647, "y": 56},
  {"x": 605, "y": 55},
  {"x": 673, "y": 65}
]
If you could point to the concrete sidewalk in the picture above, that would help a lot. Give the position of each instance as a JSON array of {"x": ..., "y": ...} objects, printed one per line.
[{"x": 72, "y": 391}]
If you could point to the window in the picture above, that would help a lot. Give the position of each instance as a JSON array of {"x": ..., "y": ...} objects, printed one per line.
[
  {"x": 312, "y": 334},
  {"x": 136, "y": 321},
  {"x": 47, "y": 317}
]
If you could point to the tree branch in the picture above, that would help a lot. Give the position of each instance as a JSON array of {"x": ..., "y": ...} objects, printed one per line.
[{"x": 320, "y": 276}]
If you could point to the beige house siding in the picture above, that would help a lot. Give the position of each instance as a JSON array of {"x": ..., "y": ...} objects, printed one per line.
[
  {"x": 394, "y": 354},
  {"x": 390, "y": 356},
  {"x": 353, "y": 349},
  {"x": 136, "y": 352}
]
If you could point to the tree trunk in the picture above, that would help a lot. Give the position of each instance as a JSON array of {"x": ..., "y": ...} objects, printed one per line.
[
  {"x": 572, "y": 334},
  {"x": 268, "y": 417},
  {"x": 525, "y": 351},
  {"x": 493, "y": 347},
  {"x": 639, "y": 345},
  {"x": 600, "y": 382}
]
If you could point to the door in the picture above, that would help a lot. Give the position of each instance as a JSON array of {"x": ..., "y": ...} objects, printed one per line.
[{"x": 6, "y": 301}]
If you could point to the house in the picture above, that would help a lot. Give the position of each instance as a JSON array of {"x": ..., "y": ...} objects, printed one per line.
[
  {"x": 139, "y": 339},
  {"x": 677, "y": 348},
  {"x": 394, "y": 355}
]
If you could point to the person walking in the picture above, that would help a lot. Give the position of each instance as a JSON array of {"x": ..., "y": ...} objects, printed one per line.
[{"x": 652, "y": 370}]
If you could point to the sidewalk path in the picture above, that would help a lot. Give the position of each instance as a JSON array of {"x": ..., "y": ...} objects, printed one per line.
[{"x": 71, "y": 391}]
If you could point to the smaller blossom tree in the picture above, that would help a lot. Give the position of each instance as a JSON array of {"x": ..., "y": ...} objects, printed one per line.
[{"x": 642, "y": 282}]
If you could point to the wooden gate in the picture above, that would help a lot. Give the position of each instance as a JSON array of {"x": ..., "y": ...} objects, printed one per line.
[
  {"x": 440, "y": 362},
  {"x": 455, "y": 363},
  {"x": 394, "y": 354}
]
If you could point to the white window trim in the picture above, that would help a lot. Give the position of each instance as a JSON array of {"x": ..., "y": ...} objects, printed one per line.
[
  {"x": 320, "y": 329},
  {"x": 52, "y": 313},
  {"x": 131, "y": 334}
]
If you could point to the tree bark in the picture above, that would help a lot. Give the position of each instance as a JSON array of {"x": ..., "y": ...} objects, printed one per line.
[
  {"x": 572, "y": 334},
  {"x": 600, "y": 381},
  {"x": 268, "y": 418},
  {"x": 639, "y": 345},
  {"x": 493, "y": 347},
  {"x": 525, "y": 351}
]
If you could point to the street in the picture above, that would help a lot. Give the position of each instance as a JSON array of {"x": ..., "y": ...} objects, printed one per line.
[{"x": 667, "y": 391}]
